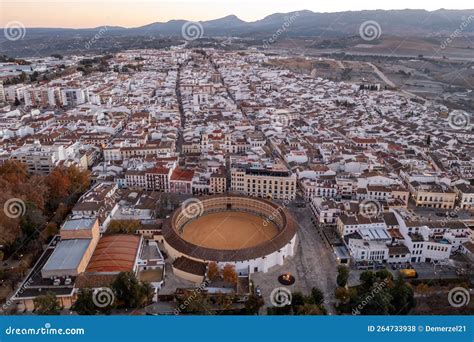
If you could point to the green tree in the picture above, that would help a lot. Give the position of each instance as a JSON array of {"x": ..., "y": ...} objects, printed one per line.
[
  {"x": 317, "y": 296},
  {"x": 342, "y": 276},
  {"x": 367, "y": 278},
  {"x": 47, "y": 304},
  {"x": 384, "y": 274},
  {"x": 377, "y": 303},
  {"x": 403, "y": 299},
  {"x": 297, "y": 299},
  {"x": 130, "y": 292},
  {"x": 84, "y": 304}
]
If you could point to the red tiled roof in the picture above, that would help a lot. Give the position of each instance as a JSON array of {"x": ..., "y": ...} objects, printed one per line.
[
  {"x": 114, "y": 253},
  {"x": 182, "y": 175},
  {"x": 158, "y": 170}
]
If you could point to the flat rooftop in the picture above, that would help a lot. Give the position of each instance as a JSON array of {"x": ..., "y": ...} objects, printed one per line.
[
  {"x": 66, "y": 258},
  {"x": 34, "y": 284},
  {"x": 374, "y": 234},
  {"x": 78, "y": 224}
]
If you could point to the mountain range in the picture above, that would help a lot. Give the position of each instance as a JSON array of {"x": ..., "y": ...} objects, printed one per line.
[
  {"x": 342, "y": 28},
  {"x": 303, "y": 23}
]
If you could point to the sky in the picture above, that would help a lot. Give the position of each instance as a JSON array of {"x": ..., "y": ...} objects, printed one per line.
[{"x": 129, "y": 13}]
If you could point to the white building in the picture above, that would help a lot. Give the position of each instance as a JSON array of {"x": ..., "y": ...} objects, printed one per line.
[
  {"x": 426, "y": 244},
  {"x": 350, "y": 224},
  {"x": 2, "y": 93},
  {"x": 74, "y": 96}
]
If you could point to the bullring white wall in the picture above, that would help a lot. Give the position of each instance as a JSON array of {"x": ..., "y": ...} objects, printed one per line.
[{"x": 261, "y": 264}]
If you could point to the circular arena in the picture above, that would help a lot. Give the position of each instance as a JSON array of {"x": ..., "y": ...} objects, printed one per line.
[{"x": 250, "y": 233}]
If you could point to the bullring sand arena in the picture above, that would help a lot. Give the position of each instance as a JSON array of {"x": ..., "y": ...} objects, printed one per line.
[
  {"x": 252, "y": 234},
  {"x": 229, "y": 230}
]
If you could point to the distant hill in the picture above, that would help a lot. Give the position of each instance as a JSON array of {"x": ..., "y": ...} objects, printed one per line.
[
  {"x": 307, "y": 23},
  {"x": 413, "y": 23}
]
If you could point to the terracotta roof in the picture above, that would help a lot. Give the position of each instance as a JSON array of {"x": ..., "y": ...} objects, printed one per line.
[
  {"x": 182, "y": 175},
  {"x": 158, "y": 170},
  {"x": 114, "y": 253}
]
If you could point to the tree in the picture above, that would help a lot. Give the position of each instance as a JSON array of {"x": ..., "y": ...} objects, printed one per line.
[
  {"x": 279, "y": 311},
  {"x": 84, "y": 304},
  {"x": 23, "y": 77},
  {"x": 147, "y": 292},
  {"x": 342, "y": 276},
  {"x": 317, "y": 296},
  {"x": 31, "y": 220},
  {"x": 51, "y": 229},
  {"x": 213, "y": 272},
  {"x": 60, "y": 214},
  {"x": 13, "y": 173},
  {"x": 253, "y": 304},
  {"x": 378, "y": 303},
  {"x": 225, "y": 301},
  {"x": 367, "y": 278},
  {"x": 297, "y": 299},
  {"x": 34, "y": 76},
  {"x": 342, "y": 294},
  {"x": 10, "y": 230},
  {"x": 384, "y": 274},
  {"x": 130, "y": 292},
  {"x": 309, "y": 310},
  {"x": 403, "y": 299},
  {"x": 59, "y": 184},
  {"x": 195, "y": 303},
  {"x": 47, "y": 304},
  {"x": 40, "y": 194},
  {"x": 123, "y": 227},
  {"x": 80, "y": 180},
  {"x": 229, "y": 274}
]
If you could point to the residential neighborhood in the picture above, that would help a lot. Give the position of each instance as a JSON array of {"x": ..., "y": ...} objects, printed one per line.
[{"x": 352, "y": 176}]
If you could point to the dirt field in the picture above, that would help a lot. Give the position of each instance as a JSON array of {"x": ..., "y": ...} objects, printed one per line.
[{"x": 229, "y": 230}]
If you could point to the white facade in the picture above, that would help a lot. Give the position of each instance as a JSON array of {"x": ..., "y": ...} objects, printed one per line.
[
  {"x": 261, "y": 264},
  {"x": 425, "y": 244},
  {"x": 351, "y": 224},
  {"x": 362, "y": 250},
  {"x": 2, "y": 93},
  {"x": 74, "y": 96}
]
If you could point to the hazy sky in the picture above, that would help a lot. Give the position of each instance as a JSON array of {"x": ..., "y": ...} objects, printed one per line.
[{"x": 93, "y": 13}]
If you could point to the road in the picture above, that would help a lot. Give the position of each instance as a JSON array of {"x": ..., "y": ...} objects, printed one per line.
[
  {"x": 384, "y": 78},
  {"x": 382, "y": 75}
]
